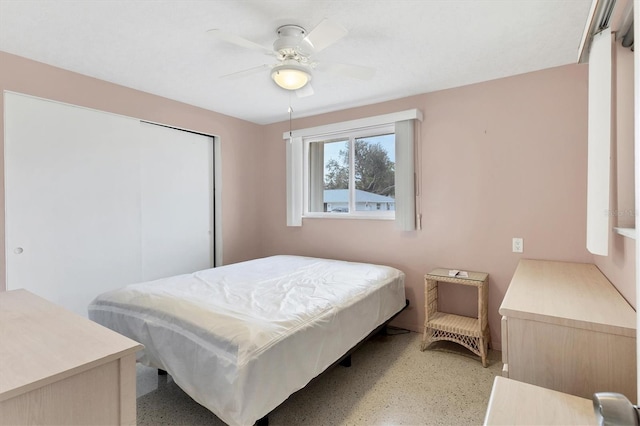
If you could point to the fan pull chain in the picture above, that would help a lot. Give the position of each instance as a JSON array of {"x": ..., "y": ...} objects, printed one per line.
[{"x": 290, "y": 110}]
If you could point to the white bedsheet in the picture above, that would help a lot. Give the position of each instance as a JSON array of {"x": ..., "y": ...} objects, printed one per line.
[{"x": 239, "y": 339}]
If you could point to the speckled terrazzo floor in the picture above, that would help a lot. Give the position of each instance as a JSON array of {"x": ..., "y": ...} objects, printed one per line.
[{"x": 390, "y": 382}]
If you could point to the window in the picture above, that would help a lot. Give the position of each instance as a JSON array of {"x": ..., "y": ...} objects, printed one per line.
[
  {"x": 333, "y": 157},
  {"x": 351, "y": 174}
]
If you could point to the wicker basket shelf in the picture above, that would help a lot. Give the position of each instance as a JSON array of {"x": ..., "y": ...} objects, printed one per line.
[
  {"x": 455, "y": 324},
  {"x": 472, "y": 333}
]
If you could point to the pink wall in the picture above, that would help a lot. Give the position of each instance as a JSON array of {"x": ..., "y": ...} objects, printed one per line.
[
  {"x": 500, "y": 159},
  {"x": 238, "y": 139}
]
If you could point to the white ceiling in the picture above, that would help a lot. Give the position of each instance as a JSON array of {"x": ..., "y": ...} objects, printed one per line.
[{"x": 416, "y": 46}]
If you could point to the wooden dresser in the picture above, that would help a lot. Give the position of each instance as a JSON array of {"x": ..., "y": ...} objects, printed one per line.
[
  {"x": 516, "y": 403},
  {"x": 565, "y": 327},
  {"x": 57, "y": 367}
]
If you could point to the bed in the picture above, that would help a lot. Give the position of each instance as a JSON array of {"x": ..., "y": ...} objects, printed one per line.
[{"x": 240, "y": 339}]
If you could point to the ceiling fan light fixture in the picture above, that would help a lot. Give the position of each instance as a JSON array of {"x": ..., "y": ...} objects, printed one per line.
[{"x": 291, "y": 76}]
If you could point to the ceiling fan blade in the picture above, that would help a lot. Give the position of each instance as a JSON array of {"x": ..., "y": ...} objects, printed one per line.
[
  {"x": 325, "y": 34},
  {"x": 238, "y": 41},
  {"x": 305, "y": 91},
  {"x": 359, "y": 72},
  {"x": 244, "y": 73}
]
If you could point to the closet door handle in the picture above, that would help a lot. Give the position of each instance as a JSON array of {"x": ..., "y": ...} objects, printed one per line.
[{"x": 18, "y": 250}]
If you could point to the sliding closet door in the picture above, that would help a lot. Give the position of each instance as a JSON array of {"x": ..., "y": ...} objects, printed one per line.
[
  {"x": 72, "y": 214},
  {"x": 95, "y": 201},
  {"x": 177, "y": 199}
]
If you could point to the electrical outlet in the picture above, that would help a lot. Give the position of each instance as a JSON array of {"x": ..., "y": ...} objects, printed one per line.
[{"x": 517, "y": 245}]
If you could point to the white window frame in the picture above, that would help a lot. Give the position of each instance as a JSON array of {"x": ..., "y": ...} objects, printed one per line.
[
  {"x": 351, "y": 135},
  {"x": 295, "y": 159}
]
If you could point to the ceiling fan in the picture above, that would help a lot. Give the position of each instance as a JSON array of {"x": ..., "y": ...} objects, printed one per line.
[{"x": 294, "y": 49}]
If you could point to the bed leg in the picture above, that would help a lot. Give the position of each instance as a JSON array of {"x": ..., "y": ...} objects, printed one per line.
[
  {"x": 161, "y": 372},
  {"x": 263, "y": 421},
  {"x": 346, "y": 361}
]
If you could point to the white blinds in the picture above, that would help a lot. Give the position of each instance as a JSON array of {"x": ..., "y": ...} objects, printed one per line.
[
  {"x": 316, "y": 177},
  {"x": 294, "y": 181},
  {"x": 599, "y": 143},
  {"x": 405, "y": 172}
]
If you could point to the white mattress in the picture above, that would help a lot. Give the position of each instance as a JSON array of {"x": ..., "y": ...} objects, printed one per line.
[{"x": 239, "y": 339}]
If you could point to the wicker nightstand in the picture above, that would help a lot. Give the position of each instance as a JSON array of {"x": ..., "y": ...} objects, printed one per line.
[{"x": 472, "y": 333}]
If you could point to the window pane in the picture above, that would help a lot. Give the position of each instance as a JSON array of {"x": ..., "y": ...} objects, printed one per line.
[
  {"x": 374, "y": 163},
  {"x": 353, "y": 172},
  {"x": 329, "y": 176}
]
